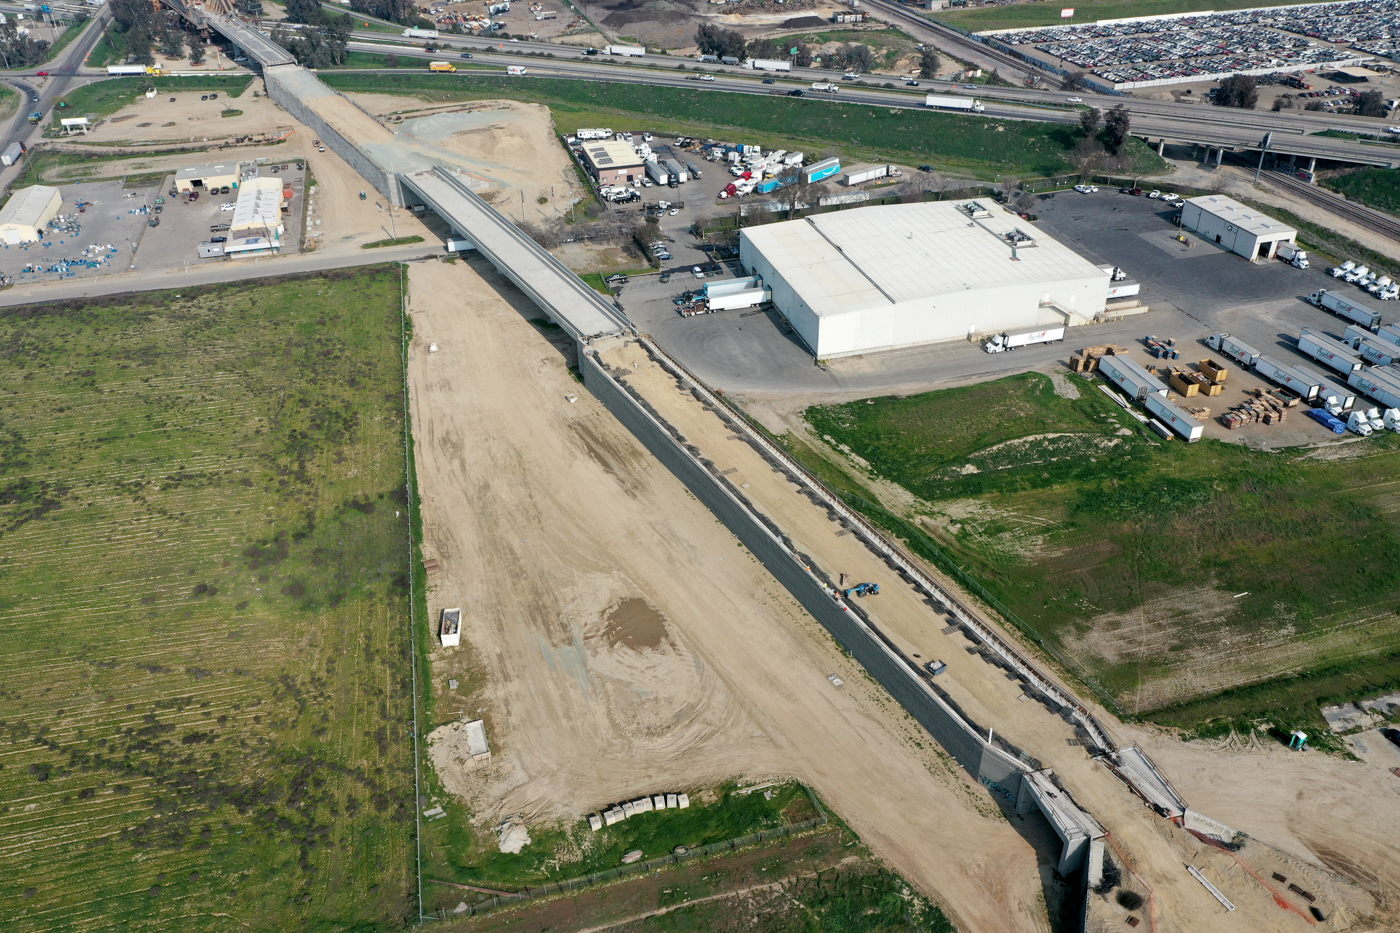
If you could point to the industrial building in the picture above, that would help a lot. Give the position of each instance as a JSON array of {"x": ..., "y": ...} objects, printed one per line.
[
  {"x": 1237, "y": 227},
  {"x": 207, "y": 177},
  {"x": 27, "y": 213},
  {"x": 613, "y": 163},
  {"x": 876, "y": 278}
]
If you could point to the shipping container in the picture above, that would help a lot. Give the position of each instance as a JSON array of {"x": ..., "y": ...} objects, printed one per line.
[
  {"x": 1375, "y": 384},
  {"x": 1131, "y": 377},
  {"x": 1286, "y": 376},
  {"x": 1179, "y": 421},
  {"x": 1350, "y": 310},
  {"x": 1237, "y": 350},
  {"x": 1325, "y": 350}
]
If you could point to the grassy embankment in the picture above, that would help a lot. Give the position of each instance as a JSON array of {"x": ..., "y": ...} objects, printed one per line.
[
  {"x": 1374, "y": 187},
  {"x": 967, "y": 145},
  {"x": 396, "y": 241},
  {"x": 204, "y": 613},
  {"x": 1122, "y": 555},
  {"x": 1028, "y": 15}
]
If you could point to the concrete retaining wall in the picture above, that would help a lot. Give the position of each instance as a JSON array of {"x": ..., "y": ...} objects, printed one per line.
[
  {"x": 995, "y": 768},
  {"x": 384, "y": 182}
]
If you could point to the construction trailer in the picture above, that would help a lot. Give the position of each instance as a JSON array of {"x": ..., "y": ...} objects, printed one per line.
[
  {"x": 1179, "y": 421},
  {"x": 1289, "y": 377},
  {"x": 1329, "y": 352},
  {"x": 1130, "y": 376}
]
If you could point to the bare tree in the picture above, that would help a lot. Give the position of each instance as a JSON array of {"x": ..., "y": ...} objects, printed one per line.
[
  {"x": 1088, "y": 157},
  {"x": 916, "y": 184},
  {"x": 1009, "y": 185},
  {"x": 938, "y": 182}
]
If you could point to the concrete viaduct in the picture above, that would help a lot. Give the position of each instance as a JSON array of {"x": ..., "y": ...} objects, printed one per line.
[{"x": 407, "y": 171}]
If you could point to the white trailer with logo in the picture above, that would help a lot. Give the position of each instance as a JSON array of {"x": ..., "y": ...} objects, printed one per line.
[
  {"x": 1131, "y": 377},
  {"x": 1330, "y": 391},
  {"x": 1179, "y": 421},
  {"x": 1286, "y": 376},
  {"x": 1350, "y": 310},
  {"x": 1330, "y": 352},
  {"x": 1237, "y": 350},
  {"x": 1375, "y": 384},
  {"x": 1000, "y": 343},
  {"x": 767, "y": 64}
]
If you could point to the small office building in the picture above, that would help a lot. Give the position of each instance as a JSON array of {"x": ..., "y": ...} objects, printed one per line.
[
  {"x": 613, "y": 163},
  {"x": 1237, "y": 227},
  {"x": 27, "y": 213}
]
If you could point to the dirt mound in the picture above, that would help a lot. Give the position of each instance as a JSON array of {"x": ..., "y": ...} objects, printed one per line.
[
  {"x": 804, "y": 22},
  {"x": 498, "y": 142},
  {"x": 629, "y": 17}
]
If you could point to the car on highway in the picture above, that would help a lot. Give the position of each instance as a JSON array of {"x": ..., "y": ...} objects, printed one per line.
[
  {"x": 34, "y": 96},
  {"x": 466, "y": 54},
  {"x": 969, "y": 87},
  {"x": 41, "y": 74},
  {"x": 1075, "y": 100},
  {"x": 796, "y": 93},
  {"x": 911, "y": 84},
  {"x": 769, "y": 81},
  {"x": 707, "y": 77},
  {"x": 1393, "y": 129},
  {"x": 850, "y": 76}
]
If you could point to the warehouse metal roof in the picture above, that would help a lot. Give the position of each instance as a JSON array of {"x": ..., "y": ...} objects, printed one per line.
[
  {"x": 1241, "y": 215},
  {"x": 28, "y": 206},
  {"x": 867, "y": 257}
]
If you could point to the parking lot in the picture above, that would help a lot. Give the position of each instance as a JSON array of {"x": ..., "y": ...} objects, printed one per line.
[
  {"x": 1192, "y": 292},
  {"x": 184, "y": 224},
  {"x": 102, "y": 225}
]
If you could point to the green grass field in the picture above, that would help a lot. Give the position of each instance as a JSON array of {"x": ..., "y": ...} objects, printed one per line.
[
  {"x": 969, "y": 145},
  {"x": 1027, "y": 15},
  {"x": 203, "y": 610},
  {"x": 1084, "y": 526},
  {"x": 1374, "y": 187}
]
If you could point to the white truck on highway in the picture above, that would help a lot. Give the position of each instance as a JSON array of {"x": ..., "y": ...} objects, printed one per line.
[
  {"x": 420, "y": 34},
  {"x": 767, "y": 64},
  {"x": 953, "y": 102},
  {"x": 628, "y": 51},
  {"x": 1000, "y": 343},
  {"x": 825, "y": 86}
]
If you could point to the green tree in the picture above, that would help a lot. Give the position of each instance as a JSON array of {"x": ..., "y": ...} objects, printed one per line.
[
  {"x": 305, "y": 11},
  {"x": 928, "y": 63},
  {"x": 719, "y": 42},
  {"x": 196, "y": 51},
  {"x": 1239, "y": 91},
  {"x": 1089, "y": 121},
  {"x": 1118, "y": 125},
  {"x": 172, "y": 42},
  {"x": 1371, "y": 104}
]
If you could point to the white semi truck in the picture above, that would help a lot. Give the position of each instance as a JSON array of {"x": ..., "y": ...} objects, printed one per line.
[
  {"x": 1350, "y": 310},
  {"x": 1237, "y": 350},
  {"x": 420, "y": 34},
  {"x": 953, "y": 102},
  {"x": 1000, "y": 343},
  {"x": 627, "y": 51}
]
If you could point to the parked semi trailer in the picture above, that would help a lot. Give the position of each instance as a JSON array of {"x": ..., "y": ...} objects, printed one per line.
[
  {"x": 1330, "y": 352},
  {"x": 658, "y": 173},
  {"x": 1286, "y": 376},
  {"x": 1131, "y": 377},
  {"x": 1179, "y": 421},
  {"x": 999, "y": 343},
  {"x": 1375, "y": 384},
  {"x": 1237, "y": 350},
  {"x": 1331, "y": 392},
  {"x": 1389, "y": 333},
  {"x": 953, "y": 102},
  {"x": 1350, "y": 310}
]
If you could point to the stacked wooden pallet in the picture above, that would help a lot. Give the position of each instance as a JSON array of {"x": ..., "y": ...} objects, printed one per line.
[
  {"x": 1264, "y": 408},
  {"x": 1087, "y": 360}
]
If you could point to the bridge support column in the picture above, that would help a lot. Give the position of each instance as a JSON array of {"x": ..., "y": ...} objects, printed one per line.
[
  {"x": 1312, "y": 165},
  {"x": 1161, "y": 144},
  {"x": 1219, "y": 155}
]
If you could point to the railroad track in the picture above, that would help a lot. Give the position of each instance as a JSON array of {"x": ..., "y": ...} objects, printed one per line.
[
  {"x": 1361, "y": 216},
  {"x": 893, "y": 11}
]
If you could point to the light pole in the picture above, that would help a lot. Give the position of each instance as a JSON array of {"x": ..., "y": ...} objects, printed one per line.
[{"x": 1263, "y": 148}]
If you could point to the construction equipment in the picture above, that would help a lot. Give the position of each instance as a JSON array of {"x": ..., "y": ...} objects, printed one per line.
[{"x": 862, "y": 589}]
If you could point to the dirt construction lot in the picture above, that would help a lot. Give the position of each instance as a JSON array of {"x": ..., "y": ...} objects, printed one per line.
[
  {"x": 627, "y": 641},
  {"x": 546, "y": 518}
]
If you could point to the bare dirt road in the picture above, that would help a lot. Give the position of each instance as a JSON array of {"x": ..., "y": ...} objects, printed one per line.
[
  {"x": 988, "y": 698},
  {"x": 617, "y": 639}
]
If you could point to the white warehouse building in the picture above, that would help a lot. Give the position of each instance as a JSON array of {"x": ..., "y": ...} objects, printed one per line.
[
  {"x": 877, "y": 278},
  {"x": 1237, "y": 227}
]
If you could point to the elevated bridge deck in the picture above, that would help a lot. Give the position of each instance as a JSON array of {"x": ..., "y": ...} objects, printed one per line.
[
  {"x": 568, "y": 301},
  {"x": 253, "y": 43}
]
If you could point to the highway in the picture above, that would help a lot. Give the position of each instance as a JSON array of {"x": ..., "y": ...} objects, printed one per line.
[{"x": 1154, "y": 120}]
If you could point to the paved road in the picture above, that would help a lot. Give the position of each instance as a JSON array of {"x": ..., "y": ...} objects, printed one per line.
[
  {"x": 1154, "y": 120},
  {"x": 210, "y": 274}
]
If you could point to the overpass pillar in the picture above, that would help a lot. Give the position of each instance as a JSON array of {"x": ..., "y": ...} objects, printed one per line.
[
  {"x": 1161, "y": 145},
  {"x": 1219, "y": 155},
  {"x": 1312, "y": 165}
]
